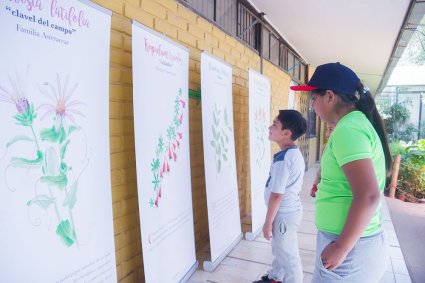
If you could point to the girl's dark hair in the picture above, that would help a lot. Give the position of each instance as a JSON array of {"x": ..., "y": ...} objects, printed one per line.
[{"x": 365, "y": 103}]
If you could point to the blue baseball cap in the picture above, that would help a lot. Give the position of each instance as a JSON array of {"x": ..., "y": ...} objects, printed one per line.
[{"x": 332, "y": 76}]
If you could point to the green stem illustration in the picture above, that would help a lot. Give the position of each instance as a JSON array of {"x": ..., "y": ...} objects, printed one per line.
[{"x": 35, "y": 137}]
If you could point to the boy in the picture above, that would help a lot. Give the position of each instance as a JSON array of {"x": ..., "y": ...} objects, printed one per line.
[{"x": 284, "y": 210}]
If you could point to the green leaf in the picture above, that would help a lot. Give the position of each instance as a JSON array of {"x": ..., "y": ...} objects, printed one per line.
[
  {"x": 155, "y": 164},
  {"x": 51, "y": 135},
  {"x": 63, "y": 168},
  {"x": 63, "y": 149},
  {"x": 51, "y": 161},
  {"x": 59, "y": 181},
  {"x": 44, "y": 201},
  {"x": 71, "y": 196},
  {"x": 26, "y": 118},
  {"x": 19, "y": 138},
  {"x": 155, "y": 181},
  {"x": 72, "y": 129},
  {"x": 19, "y": 162},
  {"x": 213, "y": 144},
  {"x": 62, "y": 134},
  {"x": 224, "y": 157},
  {"x": 66, "y": 233},
  {"x": 214, "y": 132}
]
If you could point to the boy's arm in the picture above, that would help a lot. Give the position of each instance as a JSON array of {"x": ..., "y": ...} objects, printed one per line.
[{"x": 272, "y": 208}]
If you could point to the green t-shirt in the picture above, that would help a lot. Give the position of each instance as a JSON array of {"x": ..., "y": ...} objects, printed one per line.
[{"x": 353, "y": 138}]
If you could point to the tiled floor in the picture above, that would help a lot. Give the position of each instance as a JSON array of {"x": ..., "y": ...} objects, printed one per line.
[{"x": 249, "y": 260}]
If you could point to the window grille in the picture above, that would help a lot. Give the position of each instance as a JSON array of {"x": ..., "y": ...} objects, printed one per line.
[{"x": 239, "y": 18}]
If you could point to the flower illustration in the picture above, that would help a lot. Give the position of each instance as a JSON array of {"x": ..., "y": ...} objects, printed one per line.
[
  {"x": 166, "y": 150},
  {"x": 57, "y": 183},
  {"x": 61, "y": 106},
  {"x": 261, "y": 130},
  {"x": 221, "y": 131},
  {"x": 16, "y": 96}
]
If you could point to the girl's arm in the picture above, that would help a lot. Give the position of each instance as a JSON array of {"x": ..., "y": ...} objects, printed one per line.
[{"x": 366, "y": 196}]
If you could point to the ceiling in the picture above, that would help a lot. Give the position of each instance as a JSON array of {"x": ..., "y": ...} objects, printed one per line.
[{"x": 362, "y": 34}]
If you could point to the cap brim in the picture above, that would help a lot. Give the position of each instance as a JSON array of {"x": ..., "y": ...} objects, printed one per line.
[{"x": 303, "y": 87}]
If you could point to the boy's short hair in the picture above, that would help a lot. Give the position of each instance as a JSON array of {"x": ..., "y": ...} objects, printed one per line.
[{"x": 294, "y": 121}]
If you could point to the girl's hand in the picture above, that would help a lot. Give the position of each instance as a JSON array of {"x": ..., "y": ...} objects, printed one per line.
[
  {"x": 313, "y": 190},
  {"x": 333, "y": 255}
]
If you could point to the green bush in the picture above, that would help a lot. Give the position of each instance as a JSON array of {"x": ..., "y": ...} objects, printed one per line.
[
  {"x": 396, "y": 117},
  {"x": 411, "y": 177}
]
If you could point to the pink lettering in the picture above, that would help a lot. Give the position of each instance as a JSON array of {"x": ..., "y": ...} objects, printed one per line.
[
  {"x": 156, "y": 50},
  {"x": 69, "y": 14},
  {"x": 29, "y": 4}
]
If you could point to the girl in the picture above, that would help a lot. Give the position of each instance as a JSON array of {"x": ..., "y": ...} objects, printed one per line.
[{"x": 350, "y": 241}]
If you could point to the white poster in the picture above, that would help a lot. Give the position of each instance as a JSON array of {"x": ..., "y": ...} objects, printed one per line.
[
  {"x": 259, "y": 144},
  {"x": 161, "y": 125},
  {"x": 219, "y": 157},
  {"x": 55, "y": 192}
]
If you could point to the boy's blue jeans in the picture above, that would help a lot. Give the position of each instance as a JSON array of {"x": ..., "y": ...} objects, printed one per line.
[
  {"x": 366, "y": 262},
  {"x": 286, "y": 265}
]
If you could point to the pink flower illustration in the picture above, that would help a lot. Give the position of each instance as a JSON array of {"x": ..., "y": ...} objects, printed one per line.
[
  {"x": 15, "y": 95},
  {"x": 61, "y": 106}
]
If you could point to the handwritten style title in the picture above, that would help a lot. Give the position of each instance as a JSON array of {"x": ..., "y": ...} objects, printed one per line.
[
  {"x": 68, "y": 14},
  {"x": 220, "y": 71},
  {"x": 157, "y": 50}
]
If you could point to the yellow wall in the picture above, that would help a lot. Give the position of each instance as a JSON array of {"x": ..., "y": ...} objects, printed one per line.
[{"x": 182, "y": 25}]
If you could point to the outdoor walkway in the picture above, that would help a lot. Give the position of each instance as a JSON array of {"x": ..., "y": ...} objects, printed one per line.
[
  {"x": 249, "y": 260},
  {"x": 409, "y": 222}
]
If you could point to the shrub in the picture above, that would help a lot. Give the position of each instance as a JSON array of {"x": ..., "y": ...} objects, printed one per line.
[{"x": 411, "y": 178}]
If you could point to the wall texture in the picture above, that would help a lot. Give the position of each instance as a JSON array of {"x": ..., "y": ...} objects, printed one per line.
[{"x": 184, "y": 26}]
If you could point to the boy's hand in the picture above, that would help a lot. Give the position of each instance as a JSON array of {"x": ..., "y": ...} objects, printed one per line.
[
  {"x": 267, "y": 231},
  {"x": 333, "y": 255}
]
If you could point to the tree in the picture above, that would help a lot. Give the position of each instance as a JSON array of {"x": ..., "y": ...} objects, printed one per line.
[{"x": 395, "y": 119}]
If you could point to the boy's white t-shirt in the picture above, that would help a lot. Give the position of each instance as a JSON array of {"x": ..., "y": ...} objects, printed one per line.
[{"x": 286, "y": 177}]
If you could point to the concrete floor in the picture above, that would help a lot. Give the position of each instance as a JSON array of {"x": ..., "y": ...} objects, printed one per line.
[
  {"x": 409, "y": 223},
  {"x": 249, "y": 260}
]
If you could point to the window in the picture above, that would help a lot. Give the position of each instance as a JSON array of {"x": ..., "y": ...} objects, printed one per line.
[
  {"x": 311, "y": 124},
  {"x": 283, "y": 62},
  {"x": 291, "y": 64},
  {"x": 240, "y": 19},
  {"x": 266, "y": 43},
  {"x": 274, "y": 49}
]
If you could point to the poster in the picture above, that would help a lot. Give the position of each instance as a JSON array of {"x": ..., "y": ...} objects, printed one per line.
[
  {"x": 259, "y": 144},
  {"x": 161, "y": 125},
  {"x": 55, "y": 191},
  {"x": 219, "y": 157}
]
